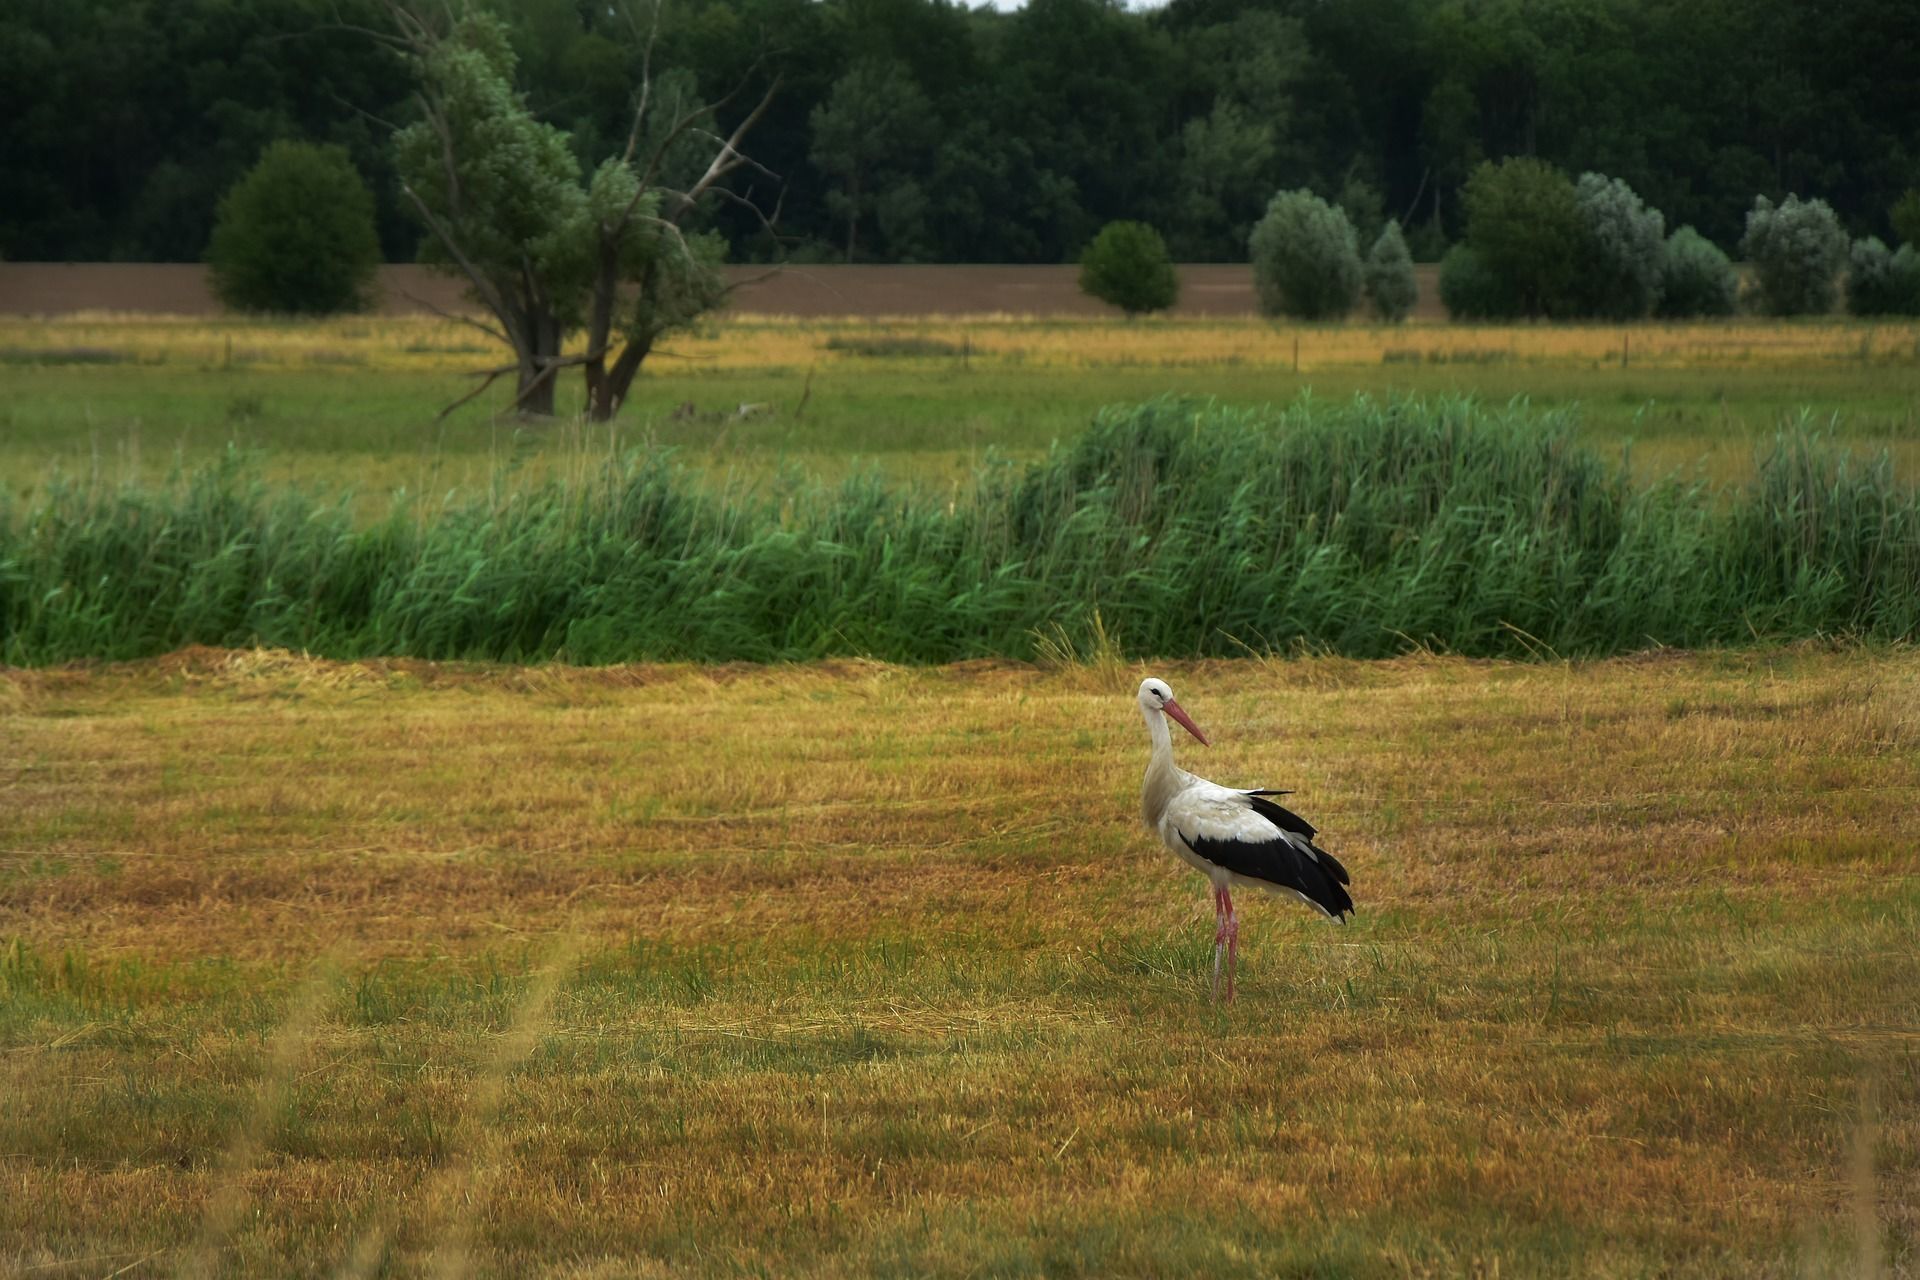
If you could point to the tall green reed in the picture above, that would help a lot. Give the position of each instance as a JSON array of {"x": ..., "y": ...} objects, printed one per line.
[{"x": 1188, "y": 528}]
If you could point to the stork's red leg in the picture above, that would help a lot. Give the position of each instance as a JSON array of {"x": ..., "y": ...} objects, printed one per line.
[
  {"x": 1233, "y": 940},
  {"x": 1219, "y": 937}
]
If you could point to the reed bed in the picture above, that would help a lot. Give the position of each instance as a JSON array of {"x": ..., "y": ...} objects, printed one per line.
[{"x": 1172, "y": 529}]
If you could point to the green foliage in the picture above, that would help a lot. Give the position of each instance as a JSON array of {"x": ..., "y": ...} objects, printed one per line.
[
  {"x": 1388, "y": 276},
  {"x": 296, "y": 235},
  {"x": 1696, "y": 278},
  {"x": 1360, "y": 200},
  {"x": 1127, "y": 266},
  {"x": 1797, "y": 250},
  {"x": 513, "y": 197},
  {"x": 1192, "y": 529},
  {"x": 1223, "y": 157},
  {"x": 676, "y": 275},
  {"x": 1427, "y": 241},
  {"x": 1306, "y": 259},
  {"x": 1469, "y": 290},
  {"x": 1525, "y": 223},
  {"x": 1905, "y": 217},
  {"x": 1052, "y": 120},
  {"x": 875, "y": 118},
  {"x": 1622, "y": 252},
  {"x": 1882, "y": 283},
  {"x": 501, "y": 195}
]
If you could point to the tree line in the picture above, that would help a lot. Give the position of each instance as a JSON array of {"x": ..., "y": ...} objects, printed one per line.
[{"x": 921, "y": 130}]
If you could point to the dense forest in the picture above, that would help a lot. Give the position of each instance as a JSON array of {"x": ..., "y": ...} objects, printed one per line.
[{"x": 920, "y": 130}]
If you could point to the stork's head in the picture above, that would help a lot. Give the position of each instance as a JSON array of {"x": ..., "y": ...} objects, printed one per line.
[{"x": 1155, "y": 698}]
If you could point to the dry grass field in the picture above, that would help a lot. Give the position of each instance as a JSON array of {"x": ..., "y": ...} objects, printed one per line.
[
  {"x": 401, "y": 969},
  {"x": 433, "y": 345}
]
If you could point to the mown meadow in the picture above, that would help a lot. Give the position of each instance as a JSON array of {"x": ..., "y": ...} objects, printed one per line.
[
  {"x": 414, "y": 969},
  {"x": 810, "y": 929}
]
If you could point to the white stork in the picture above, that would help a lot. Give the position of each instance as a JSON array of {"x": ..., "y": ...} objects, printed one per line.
[{"x": 1237, "y": 839}]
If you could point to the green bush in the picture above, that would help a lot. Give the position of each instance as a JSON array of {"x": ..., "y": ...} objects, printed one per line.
[
  {"x": 1470, "y": 291},
  {"x": 1621, "y": 252},
  {"x": 1524, "y": 223},
  {"x": 1797, "y": 249},
  {"x": 1388, "y": 276},
  {"x": 1904, "y": 217},
  {"x": 296, "y": 234},
  {"x": 1696, "y": 279},
  {"x": 1882, "y": 283},
  {"x": 1127, "y": 266},
  {"x": 1306, "y": 259}
]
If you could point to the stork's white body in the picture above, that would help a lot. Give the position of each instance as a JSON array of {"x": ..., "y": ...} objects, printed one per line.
[{"x": 1236, "y": 838}]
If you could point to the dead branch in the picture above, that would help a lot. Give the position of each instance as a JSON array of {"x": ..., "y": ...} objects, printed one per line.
[
  {"x": 726, "y": 291},
  {"x": 646, "y": 84},
  {"x": 489, "y": 295},
  {"x": 456, "y": 316},
  {"x": 767, "y": 220},
  {"x": 730, "y": 156},
  {"x": 489, "y": 376}
]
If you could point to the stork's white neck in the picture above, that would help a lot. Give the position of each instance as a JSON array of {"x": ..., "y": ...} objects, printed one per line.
[
  {"x": 1157, "y": 730},
  {"x": 1163, "y": 778}
]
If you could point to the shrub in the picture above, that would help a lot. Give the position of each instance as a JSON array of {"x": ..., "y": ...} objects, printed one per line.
[
  {"x": 1470, "y": 291},
  {"x": 1797, "y": 250},
  {"x": 1880, "y": 282},
  {"x": 1906, "y": 280},
  {"x": 1905, "y": 217},
  {"x": 1620, "y": 259},
  {"x": 1306, "y": 258},
  {"x": 1388, "y": 276},
  {"x": 1427, "y": 242},
  {"x": 296, "y": 234},
  {"x": 1696, "y": 279},
  {"x": 1127, "y": 266},
  {"x": 1524, "y": 222}
]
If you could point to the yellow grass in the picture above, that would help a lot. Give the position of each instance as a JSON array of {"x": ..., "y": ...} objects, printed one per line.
[
  {"x": 423, "y": 344},
  {"x": 851, "y": 969}
]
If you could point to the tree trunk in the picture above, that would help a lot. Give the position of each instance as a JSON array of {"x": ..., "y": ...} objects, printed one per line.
[
  {"x": 853, "y": 212},
  {"x": 538, "y": 377},
  {"x": 607, "y": 392},
  {"x": 536, "y": 392}
]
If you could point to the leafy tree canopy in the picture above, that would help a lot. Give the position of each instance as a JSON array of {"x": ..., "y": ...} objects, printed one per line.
[
  {"x": 1524, "y": 223},
  {"x": 296, "y": 235},
  {"x": 1127, "y": 266},
  {"x": 1024, "y": 131},
  {"x": 1306, "y": 260}
]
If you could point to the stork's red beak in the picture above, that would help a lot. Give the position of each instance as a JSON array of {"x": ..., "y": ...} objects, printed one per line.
[{"x": 1173, "y": 709}]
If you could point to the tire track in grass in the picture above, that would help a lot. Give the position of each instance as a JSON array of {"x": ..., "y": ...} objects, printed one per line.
[
  {"x": 284, "y": 1051},
  {"x": 456, "y": 1194}
]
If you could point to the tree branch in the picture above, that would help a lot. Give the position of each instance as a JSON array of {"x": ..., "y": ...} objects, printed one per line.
[
  {"x": 489, "y": 296},
  {"x": 777, "y": 269},
  {"x": 456, "y": 317},
  {"x": 646, "y": 84},
  {"x": 489, "y": 376},
  {"x": 730, "y": 157},
  {"x": 685, "y": 122}
]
